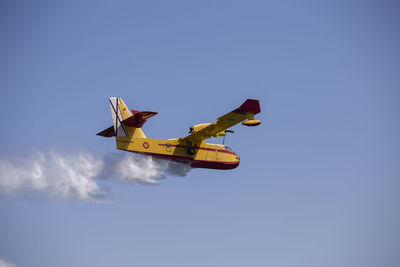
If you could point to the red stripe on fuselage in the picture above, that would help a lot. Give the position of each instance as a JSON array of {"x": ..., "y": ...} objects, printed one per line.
[
  {"x": 201, "y": 148},
  {"x": 205, "y": 148}
]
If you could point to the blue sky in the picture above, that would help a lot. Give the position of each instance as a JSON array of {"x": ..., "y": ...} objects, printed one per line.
[{"x": 318, "y": 183}]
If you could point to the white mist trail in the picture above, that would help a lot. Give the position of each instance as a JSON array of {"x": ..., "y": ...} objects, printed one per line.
[
  {"x": 76, "y": 175},
  {"x": 6, "y": 263}
]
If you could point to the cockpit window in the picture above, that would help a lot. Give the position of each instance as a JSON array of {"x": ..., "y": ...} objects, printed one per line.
[{"x": 228, "y": 148}]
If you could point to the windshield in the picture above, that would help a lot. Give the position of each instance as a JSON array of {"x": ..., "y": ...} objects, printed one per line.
[{"x": 228, "y": 148}]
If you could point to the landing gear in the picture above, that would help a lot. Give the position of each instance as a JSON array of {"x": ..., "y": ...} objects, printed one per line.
[{"x": 191, "y": 150}]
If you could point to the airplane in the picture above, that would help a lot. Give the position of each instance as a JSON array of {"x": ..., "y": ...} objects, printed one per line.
[{"x": 191, "y": 149}]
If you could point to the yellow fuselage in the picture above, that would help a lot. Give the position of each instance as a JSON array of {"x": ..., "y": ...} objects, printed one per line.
[{"x": 212, "y": 156}]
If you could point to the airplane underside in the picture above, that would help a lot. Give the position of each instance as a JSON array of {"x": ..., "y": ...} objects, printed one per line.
[{"x": 206, "y": 164}]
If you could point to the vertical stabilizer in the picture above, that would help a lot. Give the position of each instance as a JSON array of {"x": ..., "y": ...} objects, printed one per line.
[
  {"x": 125, "y": 112},
  {"x": 125, "y": 125}
]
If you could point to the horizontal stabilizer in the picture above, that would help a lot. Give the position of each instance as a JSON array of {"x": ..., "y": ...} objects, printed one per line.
[
  {"x": 136, "y": 120},
  {"x": 109, "y": 132}
]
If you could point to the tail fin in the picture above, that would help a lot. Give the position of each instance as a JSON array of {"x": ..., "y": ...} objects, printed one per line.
[{"x": 125, "y": 124}]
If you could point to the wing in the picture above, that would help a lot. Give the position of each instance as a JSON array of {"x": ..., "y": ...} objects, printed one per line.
[{"x": 246, "y": 111}]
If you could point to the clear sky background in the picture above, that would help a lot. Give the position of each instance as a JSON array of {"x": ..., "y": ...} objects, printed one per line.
[{"x": 319, "y": 179}]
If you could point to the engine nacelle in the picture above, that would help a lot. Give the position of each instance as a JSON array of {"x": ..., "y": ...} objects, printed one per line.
[{"x": 198, "y": 127}]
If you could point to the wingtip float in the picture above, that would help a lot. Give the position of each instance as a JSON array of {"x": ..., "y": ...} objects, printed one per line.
[{"x": 192, "y": 149}]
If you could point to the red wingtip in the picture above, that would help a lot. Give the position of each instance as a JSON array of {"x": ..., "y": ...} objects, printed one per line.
[{"x": 251, "y": 105}]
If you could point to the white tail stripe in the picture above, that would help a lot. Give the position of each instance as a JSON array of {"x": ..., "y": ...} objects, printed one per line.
[{"x": 119, "y": 129}]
